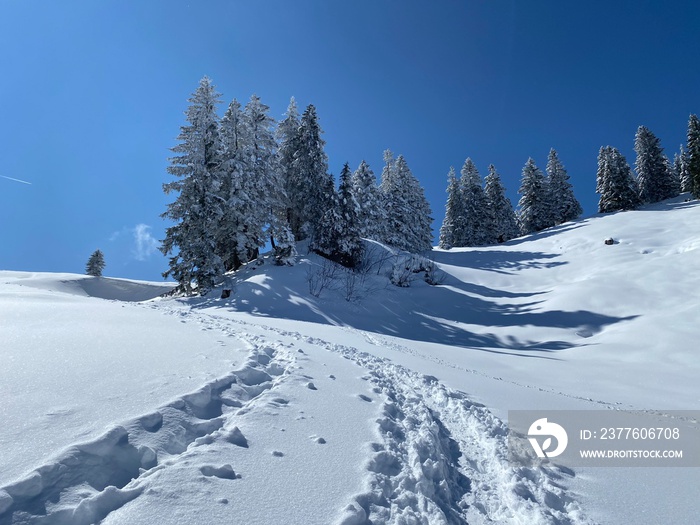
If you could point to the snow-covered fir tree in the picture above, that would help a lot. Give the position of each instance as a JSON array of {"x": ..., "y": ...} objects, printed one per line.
[
  {"x": 263, "y": 188},
  {"x": 564, "y": 206},
  {"x": 673, "y": 178},
  {"x": 680, "y": 166},
  {"x": 693, "y": 152},
  {"x": 533, "y": 207},
  {"x": 471, "y": 231},
  {"x": 233, "y": 170},
  {"x": 197, "y": 208},
  {"x": 408, "y": 212},
  {"x": 370, "y": 215},
  {"x": 95, "y": 264},
  {"x": 501, "y": 222},
  {"x": 454, "y": 213},
  {"x": 287, "y": 146},
  {"x": 339, "y": 235},
  {"x": 252, "y": 193},
  {"x": 309, "y": 182},
  {"x": 654, "y": 180},
  {"x": 615, "y": 182}
]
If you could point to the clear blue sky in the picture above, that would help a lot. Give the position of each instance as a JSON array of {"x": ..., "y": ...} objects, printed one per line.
[{"x": 92, "y": 95}]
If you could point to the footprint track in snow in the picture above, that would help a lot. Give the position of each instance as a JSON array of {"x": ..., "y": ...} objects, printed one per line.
[{"x": 90, "y": 480}]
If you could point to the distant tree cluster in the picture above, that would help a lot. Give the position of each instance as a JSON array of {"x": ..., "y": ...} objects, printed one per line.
[
  {"x": 243, "y": 179},
  {"x": 476, "y": 216},
  {"x": 657, "y": 178}
]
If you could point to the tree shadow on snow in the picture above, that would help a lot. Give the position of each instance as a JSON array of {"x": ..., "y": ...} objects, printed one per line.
[
  {"x": 434, "y": 314},
  {"x": 499, "y": 261}
]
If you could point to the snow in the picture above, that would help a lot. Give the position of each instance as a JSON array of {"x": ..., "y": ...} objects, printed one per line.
[{"x": 276, "y": 406}]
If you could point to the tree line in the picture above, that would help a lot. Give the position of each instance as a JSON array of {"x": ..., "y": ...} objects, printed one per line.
[
  {"x": 243, "y": 180},
  {"x": 476, "y": 216},
  {"x": 657, "y": 178}
]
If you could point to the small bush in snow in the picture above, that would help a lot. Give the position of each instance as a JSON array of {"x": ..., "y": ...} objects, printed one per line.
[
  {"x": 434, "y": 276},
  {"x": 407, "y": 267},
  {"x": 374, "y": 256},
  {"x": 322, "y": 276},
  {"x": 353, "y": 285}
]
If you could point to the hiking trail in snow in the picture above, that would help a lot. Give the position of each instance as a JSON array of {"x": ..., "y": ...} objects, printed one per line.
[{"x": 360, "y": 439}]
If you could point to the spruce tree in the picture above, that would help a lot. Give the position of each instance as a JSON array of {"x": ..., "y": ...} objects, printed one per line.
[
  {"x": 533, "y": 208},
  {"x": 233, "y": 170},
  {"x": 309, "y": 184},
  {"x": 693, "y": 152},
  {"x": 472, "y": 228},
  {"x": 288, "y": 144},
  {"x": 339, "y": 237},
  {"x": 454, "y": 211},
  {"x": 408, "y": 212},
  {"x": 564, "y": 206},
  {"x": 95, "y": 264},
  {"x": 197, "y": 209},
  {"x": 654, "y": 180},
  {"x": 262, "y": 189},
  {"x": 370, "y": 215},
  {"x": 501, "y": 222},
  {"x": 680, "y": 165},
  {"x": 615, "y": 182}
]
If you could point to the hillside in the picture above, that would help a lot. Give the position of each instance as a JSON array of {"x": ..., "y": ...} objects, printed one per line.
[{"x": 362, "y": 403}]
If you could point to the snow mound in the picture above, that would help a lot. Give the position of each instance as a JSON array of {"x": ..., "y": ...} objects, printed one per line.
[{"x": 86, "y": 286}]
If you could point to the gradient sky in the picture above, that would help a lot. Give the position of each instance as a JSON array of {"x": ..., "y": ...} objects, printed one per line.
[{"x": 92, "y": 95}]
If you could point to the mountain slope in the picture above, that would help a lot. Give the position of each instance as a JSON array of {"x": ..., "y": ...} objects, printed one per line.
[{"x": 279, "y": 406}]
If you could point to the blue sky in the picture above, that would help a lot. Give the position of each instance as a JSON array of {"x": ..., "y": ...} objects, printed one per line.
[{"x": 92, "y": 95}]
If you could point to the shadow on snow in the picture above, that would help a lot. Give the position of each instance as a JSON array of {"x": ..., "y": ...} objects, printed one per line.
[{"x": 445, "y": 314}]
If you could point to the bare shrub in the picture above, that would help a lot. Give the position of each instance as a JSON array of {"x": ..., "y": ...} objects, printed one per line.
[
  {"x": 373, "y": 258},
  {"x": 322, "y": 276}
]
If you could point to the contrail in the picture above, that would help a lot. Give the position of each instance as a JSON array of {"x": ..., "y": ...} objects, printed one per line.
[{"x": 16, "y": 180}]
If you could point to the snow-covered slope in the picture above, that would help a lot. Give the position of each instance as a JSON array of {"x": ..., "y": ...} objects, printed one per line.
[{"x": 278, "y": 406}]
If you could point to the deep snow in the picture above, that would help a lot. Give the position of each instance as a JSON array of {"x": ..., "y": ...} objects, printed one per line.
[{"x": 276, "y": 406}]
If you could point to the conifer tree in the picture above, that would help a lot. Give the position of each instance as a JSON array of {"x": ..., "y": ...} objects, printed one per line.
[
  {"x": 693, "y": 152},
  {"x": 454, "y": 212},
  {"x": 534, "y": 212},
  {"x": 339, "y": 237},
  {"x": 615, "y": 182},
  {"x": 501, "y": 222},
  {"x": 472, "y": 226},
  {"x": 95, "y": 264},
  {"x": 654, "y": 180},
  {"x": 262, "y": 187},
  {"x": 197, "y": 209},
  {"x": 309, "y": 185},
  {"x": 233, "y": 170},
  {"x": 288, "y": 144},
  {"x": 680, "y": 165},
  {"x": 408, "y": 212},
  {"x": 370, "y": 214},
  {"x": 564, "y": 206}
]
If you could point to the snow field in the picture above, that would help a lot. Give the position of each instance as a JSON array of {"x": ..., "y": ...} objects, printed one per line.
[{"x": 385, "y": 408}]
